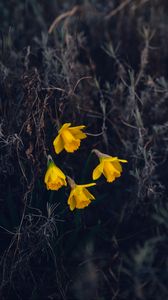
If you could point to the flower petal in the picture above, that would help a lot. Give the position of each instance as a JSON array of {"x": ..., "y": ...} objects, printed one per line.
[
  {"x": 82, "y": 204},
  {"x": 123, "y": 160},
  {"x": 73, "y": 146},
  {"x": 47, "y": 174},
  {"x": 78, "y": 127},
  {"x": 88, "y": 194},
  {"x": 54, "y": 185},
  {"x": 57, "y": 172},
  {"x": 65, "y": 126},
  {"x": 78, "y": 134},
  {"x": 117, "y": 166},
  {"x": 97, "y": 171},
  {"x": 67, "y": 136},
  {"x": 72, "y": 201},
  {"x": 110, "y": 172},
  {"x": 58, "y": 144},
  {"x": 110, "y": 178},
  {"x": 115, "y": 158},
  {"x": 110, "y": 158},
  {"x": 86, "y": 185}
]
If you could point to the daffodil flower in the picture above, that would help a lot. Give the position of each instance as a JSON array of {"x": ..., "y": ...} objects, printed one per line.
[
  {"x": 79, "y": 196},
  {"x": 54, "y": 177},
  {"x": 109, "y": 166},
  {"x": 69, "y": 138}
]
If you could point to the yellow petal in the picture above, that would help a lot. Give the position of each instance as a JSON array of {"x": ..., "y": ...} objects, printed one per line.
[
  {"x": 110, "y": 178},
  {"x": 110, "y": 172},
  {"x": 58, "y": 144},
  {"x": 80, "y": 195},
  {"x": 67, "y": 136},
  {"x": 78, "y": 127},
  {"x": 117, "y": 166},
  {"x": 109, "y": 159},
  {"x": 54, "y": 186},
  {"x": 123, "y": 160},
  {"x": 65, "y": 126},
  {"x": 71, "y": 201},
  {"x": 97, "y": 171},
  {"x": 77, "y": 133},
  {"x": 82, "y": 200},
  {"x": 72, "y": 146},
  {"x": 88, "y": 194},
  {"x": 47, "y": 174},
  {"x": 83, "y": 204},
  {"x": 86, "y": 185},
  {"x": 59, "y": 173}
]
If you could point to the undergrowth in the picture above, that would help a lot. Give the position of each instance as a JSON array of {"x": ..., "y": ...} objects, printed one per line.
[{"x": 104, "y": 66}]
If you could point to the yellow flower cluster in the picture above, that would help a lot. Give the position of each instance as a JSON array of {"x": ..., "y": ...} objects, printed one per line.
[{"x": 69, "y": 138}]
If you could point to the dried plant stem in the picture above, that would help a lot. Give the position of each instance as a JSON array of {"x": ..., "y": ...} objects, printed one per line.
[
  {"x": 58, "y": 19},
  {"x": 118, "y": 9}
]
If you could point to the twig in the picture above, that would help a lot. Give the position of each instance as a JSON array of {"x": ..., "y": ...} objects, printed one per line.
[
  {"x": 141, "y": 3},
  {"x": 118, "y": 9},
  {"x": 58, "y": 19},
  {"x": 79, "y": 80}
]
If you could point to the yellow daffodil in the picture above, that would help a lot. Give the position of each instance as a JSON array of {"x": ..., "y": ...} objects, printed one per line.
[
  {"x": 109, "y": 166},
  {"x": 54, "y": 177},
  {"x": 79, "y": 196},
  {"x": 69, "y": 138}
]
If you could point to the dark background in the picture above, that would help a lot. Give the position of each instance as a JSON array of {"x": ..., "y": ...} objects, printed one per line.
[{"x": 105, "y": 65}]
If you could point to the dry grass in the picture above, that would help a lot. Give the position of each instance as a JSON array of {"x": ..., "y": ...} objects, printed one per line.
[{"x": 104, "y": 66}]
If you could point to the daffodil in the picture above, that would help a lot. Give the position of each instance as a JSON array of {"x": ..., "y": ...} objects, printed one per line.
[
  {"x": 79, "y": 196},
  {"x": 69, "y": 138},
  {"x": 54, "y": 177},
  {"x": 109, "y": 166}
]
